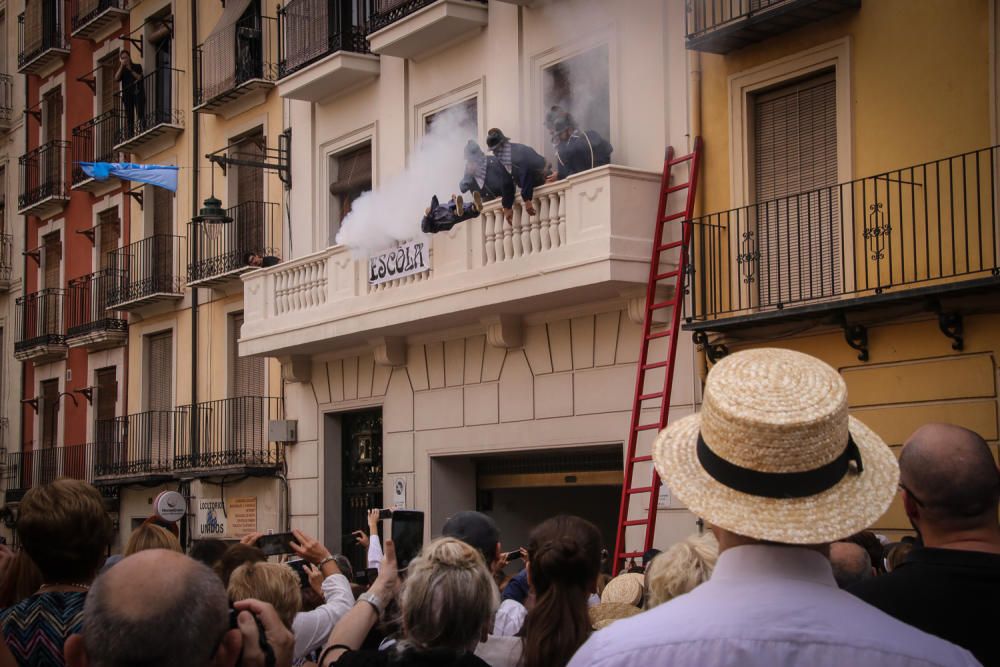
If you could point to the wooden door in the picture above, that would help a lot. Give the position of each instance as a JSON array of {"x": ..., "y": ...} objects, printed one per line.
[
  {"x": 159, "y": 425},
  {"x": 52, "y": 158},
  {"x": 50, "y": 298},
  {"x": 250, "y": 236}
]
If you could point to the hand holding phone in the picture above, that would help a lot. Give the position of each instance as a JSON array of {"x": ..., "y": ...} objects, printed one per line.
[
  {"x": 276, "y": 544},
  {"x": 408, "y": 535}
]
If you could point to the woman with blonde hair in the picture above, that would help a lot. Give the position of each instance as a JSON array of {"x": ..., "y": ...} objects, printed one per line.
[
  {"x": 274, "y": 583},
  {"x": 680, "y": 569},
  {"x": 150, "y": 536},
  {"x": 446, "y": 604}
]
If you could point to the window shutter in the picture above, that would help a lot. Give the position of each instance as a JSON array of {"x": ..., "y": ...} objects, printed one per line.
[
  {"x": 109, "y": 232},
  {"x": 246, "y": 374},
  {"x": 50, "y": 413},
  {"x": 794, "y": 169},
  {"x": 159, "y": 384},
  {"x": 107, "y": 393}
]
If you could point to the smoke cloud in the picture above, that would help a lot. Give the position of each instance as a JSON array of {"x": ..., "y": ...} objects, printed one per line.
[{"x": 391, "y": 213}]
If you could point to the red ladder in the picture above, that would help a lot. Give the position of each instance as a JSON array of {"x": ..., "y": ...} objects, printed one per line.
[{"x": 675, "y": 278}]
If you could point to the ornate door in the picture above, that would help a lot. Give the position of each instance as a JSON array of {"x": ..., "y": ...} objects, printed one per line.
[{"x": 362, "y": 475}]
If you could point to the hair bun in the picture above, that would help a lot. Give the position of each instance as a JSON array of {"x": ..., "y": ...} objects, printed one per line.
[{"x": 450, "y": 552}]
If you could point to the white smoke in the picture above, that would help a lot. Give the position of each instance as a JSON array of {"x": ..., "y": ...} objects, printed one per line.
[{"x": 391, "y": 213}]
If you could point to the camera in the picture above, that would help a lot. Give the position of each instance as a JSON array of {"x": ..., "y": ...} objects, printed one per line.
[{"x": 265, "y": 648}]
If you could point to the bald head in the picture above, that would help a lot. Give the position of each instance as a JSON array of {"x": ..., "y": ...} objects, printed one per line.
[
  {"x": 851, "y": 563},
  {"x": 156, "y": 608},
  {"x": 950, "y": 475}
]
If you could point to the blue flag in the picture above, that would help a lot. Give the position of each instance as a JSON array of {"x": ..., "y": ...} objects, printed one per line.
[{"x": 164, "y": 176}]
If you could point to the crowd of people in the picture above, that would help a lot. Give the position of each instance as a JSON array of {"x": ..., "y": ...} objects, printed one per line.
[{"x": 787, "y": 571}]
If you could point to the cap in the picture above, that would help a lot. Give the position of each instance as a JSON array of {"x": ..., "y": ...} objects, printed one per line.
[
  {"x": 472, "y": 150},
  {"x": 495, "y": 137},
  {"x": 475, "y": 529}
]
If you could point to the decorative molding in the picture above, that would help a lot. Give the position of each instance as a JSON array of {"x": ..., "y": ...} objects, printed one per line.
[
  {"x": 296, "y": 368},
  {"x": 504, "y": 331},
  {"x": 389, "y": 351}
]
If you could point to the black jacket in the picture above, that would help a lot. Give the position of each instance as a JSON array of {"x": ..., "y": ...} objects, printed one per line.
[
  {"x": 497, "y": 183},
  {"x": 527, "y": 169},
  {"x": 582, "y": 151}
]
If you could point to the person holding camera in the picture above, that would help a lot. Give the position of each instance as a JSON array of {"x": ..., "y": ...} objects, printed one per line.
[{"x": 371, "y": 541}]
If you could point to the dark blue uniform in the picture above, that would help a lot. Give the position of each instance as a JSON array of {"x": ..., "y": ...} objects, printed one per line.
[
  {"x": 582, "y": 151},
  {"x": 496, "y": 183}
]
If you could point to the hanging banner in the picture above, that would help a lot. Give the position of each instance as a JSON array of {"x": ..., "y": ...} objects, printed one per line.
[{"x": 406, "y": 260}]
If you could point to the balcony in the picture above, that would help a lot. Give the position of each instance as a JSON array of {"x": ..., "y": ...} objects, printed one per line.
[
  {"x": 44, "y": 184},
  {"x": 6, "y": 101},
  {"x": 34, "y": 467},
  {"x": 40, "y": 326},
  {"x": 232, "y": 436},
  {"x": 146, "y": 272},
  {"x": 89, "y": 323},
  {"x": 96, "y": 19},
  {"x": 590, "y": 241},
  {"x": 138, "y": 447},
  {"x": 323, "y": 48},
  {"x": 6, "y": 255},
  {"x": 721, "y": 26},
  {"x": 94, "y": 141},
  {"x": 41, "y": 38},
  {"x": 922, "y": 237},
  {"x": 236, "y": 66},
  {"x": 416, "y": 29},
  {"x": 150, "y": 112},
  {"x": 217, "y": 253}
]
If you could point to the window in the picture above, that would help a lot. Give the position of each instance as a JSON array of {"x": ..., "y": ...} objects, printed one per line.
[
  {"x": 49, "y": 410},
  {"x": 465, "y": 114},
  {"x": 109, "y": 230},
  {"x": 581, "y": 85},
  {"x": 52, "y": 249},
  {"x": 351, "y": 173},
  {"x": 246, "y": 374},
  {"x": 794, "y": 156},
  {"x": 159, "y": 371},
  {"x": 106, "y": 400}
]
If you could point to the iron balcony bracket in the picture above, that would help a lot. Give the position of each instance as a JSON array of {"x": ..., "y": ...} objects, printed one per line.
[
  {"x": 856, "y": 336},
  {"x": 951, "y": 326},
  {"x": 714, "y": 351}
]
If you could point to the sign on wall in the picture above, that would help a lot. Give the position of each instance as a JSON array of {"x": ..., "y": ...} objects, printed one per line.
[
  {"x": 406, "y": 260},
  {"x": 398, "y": 493},
  {"x": 211, "y": 517},
  {"x": 229, "y": 519},
  {"x": 242, "y": 516}
]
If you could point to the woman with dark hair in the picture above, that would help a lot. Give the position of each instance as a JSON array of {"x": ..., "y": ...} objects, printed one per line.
[{"x": 564, "y": 560}]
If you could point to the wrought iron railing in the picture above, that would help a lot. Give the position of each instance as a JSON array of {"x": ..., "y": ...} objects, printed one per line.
[
  {"x": 83, "y": 12},
  {"x": 6, "y": 98},
  {"x": 311, "y": 29},
  {"x": 40, "y": 319},
  {"x": 87, "y": 305},
  {"x": 219, "y": 249},
  {"x": 929, "y": 223},
  {"x": 241, "y": 52},
  {"x": 43, "y": 173},
  {"x": 145, "y": 269},
  {"x": 706, "y": 15},
  {"x": 231, "y": 432},
  {"x": 94, "y": 141},
  {"x": 50, "y": 33},
  {"x": 6, "y": 254},
  {"x": 153, "y": 100},
  {"x": 387, "y": 12},
  {"x": 36, "y": 466},
  {"x": 138, "y": 444}
]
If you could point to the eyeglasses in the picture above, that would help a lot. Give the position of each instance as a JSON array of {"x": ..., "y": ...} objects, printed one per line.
[{"x": 912, "y": 495}]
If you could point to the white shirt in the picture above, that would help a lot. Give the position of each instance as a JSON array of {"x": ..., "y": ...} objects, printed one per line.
[
  {"x": 312, "y": 628},
  {"x": 375, "y": 554},
  {"x": 764, "y": 606},
  {"x": 500, "y": 651},
  {"x": 509, "y": 618}
]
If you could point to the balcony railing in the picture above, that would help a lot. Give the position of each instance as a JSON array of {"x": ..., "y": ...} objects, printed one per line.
[
  {"x": 138, "y": 444},
  {"x": 40, "y": 323},
  {"x": 94, "y": 141},
  {"x": 88, "y": 18},
  {"x": 929, "y": 224},
  {"x": 721, "y": 26},
  {"x": 89, "y": 322},
  {"x": 43, "y": 179},
  {"x": 146, "y": 271},
  {"x": 232, "y": 432},
  {"x": 149, "y": 108},
  {"x": 45, "y": 40},
  {"x": 6, "y": 100},
  {"x": 37, "y": 466},
  {"x": 311, "y": 29},
  {"x": 6, "y": 255},
  {"x": 236, "y": 61},
  {"x": 218, "y": 252}
]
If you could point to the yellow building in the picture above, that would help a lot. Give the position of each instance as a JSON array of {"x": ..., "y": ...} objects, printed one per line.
[{"x": 850, "y": 199}]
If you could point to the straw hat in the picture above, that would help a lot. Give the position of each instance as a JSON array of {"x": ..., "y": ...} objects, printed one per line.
[
  {"x": 626, "y": 588},
  {"x": 766, "y": 415},
  {"x": 606, "y": 613}
]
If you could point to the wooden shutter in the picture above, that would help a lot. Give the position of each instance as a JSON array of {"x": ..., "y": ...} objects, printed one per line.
[
  {"x": 160, "y": 372},
  {"x": 794, "y": 167},
  {"x": 53, "y": 114},
  {"x": 246, "y": 374},
  {"x": 53, "y": 258},
  {"x": 110, "y": 231},
  {"x": 32, "y": 24},
  {"x": 106, "y": 402},
  {"x": 108, "y": 66},
  {"x": 49, "y": 410},
  {"x": 250, "y": 180}
]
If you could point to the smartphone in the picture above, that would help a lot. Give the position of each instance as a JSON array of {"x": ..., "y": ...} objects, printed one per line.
[
  {"x": 513, "y": 555},
  {"x": 348, "y": 539},
  {"x": 299, "y": 567},
  {"x": 276, "y": 544},
  {"x": 408, "y": 535},
  {"x": 384, "y": 514}
]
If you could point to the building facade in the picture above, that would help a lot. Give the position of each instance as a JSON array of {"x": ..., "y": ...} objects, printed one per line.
[
  {"x": 849, "y": 200},
  {"x": 501, "y": 377}
]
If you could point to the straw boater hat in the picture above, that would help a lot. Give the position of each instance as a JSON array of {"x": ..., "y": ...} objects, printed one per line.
[
  {"x": 625, "y": 588},
  {"x": 606, "y": 613},
  {"x": 773, "y": 454}
]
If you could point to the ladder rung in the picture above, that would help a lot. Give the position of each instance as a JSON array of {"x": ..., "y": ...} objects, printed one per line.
[
  {"x": 655, "y": 364},
  {"x": 630, "y": 554},
  {"x": 641, "y": 459},
  {"x": 668, "y": 274},
  {"x": 675, "y": 188},
  {"x": 673, "y": 216},
  {"x": 640, "y": 489},
  {"x": 678, "y": 160},
  {"x": 669, "y": 246},
  {"x": 663, "y": 304},
  {"x": 646, "y": 397},
  {"x": 637, "y": 522},
  {"x": 659, "y": 334},
  {"x": 647, "y": 427}
]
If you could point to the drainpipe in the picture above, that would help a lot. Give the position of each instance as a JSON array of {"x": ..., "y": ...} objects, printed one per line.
[
  {"x": 694, "y": 125},
  {"x": 195, "y": 149},
  {"x": 21, "y": 407}
]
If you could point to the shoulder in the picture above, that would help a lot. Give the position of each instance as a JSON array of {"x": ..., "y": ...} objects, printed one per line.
[
  {"x": 364, "y": 659},
  {"x": 887, "y": 586}
]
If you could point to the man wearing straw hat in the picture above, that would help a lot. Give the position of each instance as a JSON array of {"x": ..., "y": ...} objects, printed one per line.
[{"x": 779, "y": 469}]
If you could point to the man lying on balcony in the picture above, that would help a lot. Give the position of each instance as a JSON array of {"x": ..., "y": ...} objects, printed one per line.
[
  {"x": 522, "y": 162},
  {"x": 255, "y": 259},
  {"x": 486, "y": 179},
  {"x": 576, "y": 150}
]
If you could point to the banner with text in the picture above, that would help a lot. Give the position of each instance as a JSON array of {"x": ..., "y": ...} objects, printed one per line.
[{"x": 406, "y": 260}]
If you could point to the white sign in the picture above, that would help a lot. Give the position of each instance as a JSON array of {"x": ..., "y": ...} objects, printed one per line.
[
  {"x": 398, "y": 493},
  {"x": 170, "y": 506},
  {"x": 211, "y": 517},
  {"x": 406, "y": 260},
  {"x": 663, "y": 498}
]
